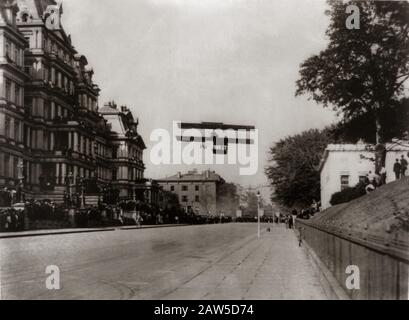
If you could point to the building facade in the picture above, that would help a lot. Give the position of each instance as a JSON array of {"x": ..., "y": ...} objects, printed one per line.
[
  {"x": 12, "y": 107},
  {"x": 196, "y": 191},
  {"x": 127, "y": 151},
  {"x": 345, "y": 165},
  {"x": 53, "y": 137}
]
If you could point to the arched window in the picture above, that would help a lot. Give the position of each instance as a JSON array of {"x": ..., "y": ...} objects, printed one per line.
[{"x": 24, "y": 17}]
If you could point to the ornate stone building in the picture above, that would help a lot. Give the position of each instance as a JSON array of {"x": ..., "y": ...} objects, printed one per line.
[
  {"x": 12, "y": 109},
  {"x": 127, "y": 151},
  {"x": 52, "y": 133}
]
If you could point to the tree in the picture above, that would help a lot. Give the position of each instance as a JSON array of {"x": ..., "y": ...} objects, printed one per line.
[
  {"x": 294, "y": 167},
  {"x": 170, "y": 201},
  {"x": 227, "y": 198},
  {"x": 362, "y": 72},
  {"x": 348, "y": 194},
  {"x": 251, "y": 201},
  {"x": 395, "y": 123}
]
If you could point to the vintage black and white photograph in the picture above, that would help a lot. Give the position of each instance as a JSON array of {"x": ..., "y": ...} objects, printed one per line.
[{"x": 204, "y": 150}]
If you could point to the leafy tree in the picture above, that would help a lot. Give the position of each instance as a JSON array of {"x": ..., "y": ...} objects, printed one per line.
[
  {"x": 251, "y": 201},
  {"x": 294, "y": 167},
  {"x": 170, "y": 200},
  {"x": 227, "y": 198},
  {"x": 362, "y": 72},
  {"x": 395, "y": 123},
  {"x": 348, "y": 194}
]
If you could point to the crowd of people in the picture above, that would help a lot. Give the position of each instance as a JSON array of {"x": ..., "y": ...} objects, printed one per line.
[
  {"x": 400, "y": 167},
  {"x": 11, "y": 220},
  {"x": 123, "y": 214},
  {"x": 375, "y": 180}
]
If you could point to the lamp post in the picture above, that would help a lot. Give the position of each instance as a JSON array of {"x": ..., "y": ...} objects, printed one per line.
[{"x": 258, "y": 214}]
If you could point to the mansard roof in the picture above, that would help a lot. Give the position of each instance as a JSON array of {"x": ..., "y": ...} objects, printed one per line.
[
  {"x": 38, "y": 10},
  {"x": 122, "y": 122},
  {"x": 36, "y": 7}
]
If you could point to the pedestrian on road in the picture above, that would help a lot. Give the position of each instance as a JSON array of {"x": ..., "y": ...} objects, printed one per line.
[
  {"x": 290, "y": 222},
  {"x": 383, "y": 175},
  {"x": 397, "y": 167},
  {"x": 277, "y": 217},
  {"x": 404, "y": 166},
  {"x": 139, "y": 220}
]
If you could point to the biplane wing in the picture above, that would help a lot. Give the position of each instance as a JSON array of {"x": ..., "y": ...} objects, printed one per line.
[{"x": 220, "y": 144}]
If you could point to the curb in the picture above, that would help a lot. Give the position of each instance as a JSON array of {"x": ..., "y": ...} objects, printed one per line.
[
  {"x": 332, "y": 288},
  {"x": 62, "y": 232},
  {"x": 155, "y": 227}
]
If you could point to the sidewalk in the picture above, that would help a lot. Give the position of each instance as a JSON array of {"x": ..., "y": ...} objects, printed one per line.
[
  {"x": 36, "y": 233},
  {"x": 271, "y": 268}
]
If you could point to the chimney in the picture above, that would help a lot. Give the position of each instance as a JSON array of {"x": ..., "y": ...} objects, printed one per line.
[
  {"x": 179, "y": 175},
  {"x": 8, "y": 11},
  {"x": 207, "y": 174}
]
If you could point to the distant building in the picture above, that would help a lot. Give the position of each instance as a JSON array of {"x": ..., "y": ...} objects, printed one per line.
[
  {"x": 196, "y": 191},
  {"x": 344, "y": 165},
  {"x": 127, "y": 150}
]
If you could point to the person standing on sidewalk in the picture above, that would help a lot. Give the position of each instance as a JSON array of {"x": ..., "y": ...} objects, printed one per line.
[
  {"x": 290, "y": 222},
  {"x": 397, "y": 169},
  {"x": 383, "y": 174},
  {"x": 404, "y": 166},
  {"x": 139, "y": 221}
]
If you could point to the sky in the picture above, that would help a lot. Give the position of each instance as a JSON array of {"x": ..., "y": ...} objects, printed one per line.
[{"x": 231, "y": 61}]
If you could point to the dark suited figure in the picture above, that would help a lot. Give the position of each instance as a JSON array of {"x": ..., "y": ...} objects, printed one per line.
[
  {"x": 290, "y": 222},
  {"x": 404, "y": 166},
  {"x": 397, "y": 168}
]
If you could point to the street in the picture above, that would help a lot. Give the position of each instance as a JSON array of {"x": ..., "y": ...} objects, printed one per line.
[{"x": 194, "y": 262}]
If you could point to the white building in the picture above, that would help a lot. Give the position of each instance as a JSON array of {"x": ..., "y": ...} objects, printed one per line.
[{"x": 343, "y": 165}]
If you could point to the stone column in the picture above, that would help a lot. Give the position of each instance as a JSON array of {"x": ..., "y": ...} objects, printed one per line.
[
  {"x": 2, "y": 169},
  {"x": 52, "y": 141},
  {"x": 28, "y": 172},
  {"x": 75, "y": 173},
  {"x": 2, "y": 123},
  {"x": 28, "y": 138},
  {"x": 70, "y": 140},
  {"x": 63, "y": 170},
  {"x": 57, "y": 173},
  {"x": 76, "y": 142},
  {"x": 22, "y": 125},
  {"x": 38, "y": 172},
  {"x": 12, "y": 135}
]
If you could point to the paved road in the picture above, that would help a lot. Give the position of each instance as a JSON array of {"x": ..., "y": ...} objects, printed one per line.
[{"x": 195, "y": 262}]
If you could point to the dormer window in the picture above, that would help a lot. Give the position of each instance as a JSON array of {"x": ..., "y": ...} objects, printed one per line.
[{"x": 24, "y": 17}]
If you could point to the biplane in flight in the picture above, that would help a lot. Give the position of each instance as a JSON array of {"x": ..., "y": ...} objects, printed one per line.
[{"x": 220, "y": 143}]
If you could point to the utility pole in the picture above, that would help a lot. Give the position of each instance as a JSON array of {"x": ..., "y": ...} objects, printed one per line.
[{"x": 258, "y": 214}]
